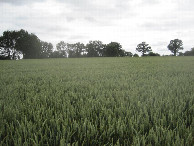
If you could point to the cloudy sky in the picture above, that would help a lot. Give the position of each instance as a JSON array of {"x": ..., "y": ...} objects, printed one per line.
[{"x": 128, "y": 22}]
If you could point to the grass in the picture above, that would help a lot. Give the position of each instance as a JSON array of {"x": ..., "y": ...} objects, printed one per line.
[{"x": 97, "y": 101}]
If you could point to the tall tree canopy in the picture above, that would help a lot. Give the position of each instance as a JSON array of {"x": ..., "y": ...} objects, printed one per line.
[
  {"x": 113, "y": 49},
  {"x": 189, "y": 53},
  {"x": 175, "y": 45},
  {"x": 94, "y": 48},
  {"x": 8, "y": 44},
  {"x": 46, "y": 50},
  {"x": 76, "y": 50},
  {"x": 69, "y": 50},
  {"x": 143, "y": 48},
  {"x": 29, "y": 44},
  {"x": 62, "y": 49},
  {"x": 129, "y": 54}
]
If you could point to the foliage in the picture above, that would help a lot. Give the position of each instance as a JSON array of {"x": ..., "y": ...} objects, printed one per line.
[
  {"x": 22, "y": 41},
  {"x": 97, "y": 101},
  {"x": 46, "y": 50},
  {"x": 129, "y": 54},
  {"x": 113, "y": 49},
  {"x": 57, "y": 54},
  {"x": 189, "y": 53},
  {"x": 153, "y": 54},
  {"x": 62, "y": 49},
  {"x": 181, "y": 54},
  {"x": 95, "y": 49},
  {"x": 8, "y": 54},
  {"x": 7, "y": 45},
  {"x": 135, "y": 55},
  {"x": 143, "y": 48},
  {"x": 175, "y": 45},
  {"x": 17, "y": 44},
  {"x": 76, "y": 50}
]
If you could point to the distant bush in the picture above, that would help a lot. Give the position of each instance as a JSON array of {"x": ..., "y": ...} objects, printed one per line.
[
  {"x": 189, "y": 53},
  {"x": 135, "y": 55}
]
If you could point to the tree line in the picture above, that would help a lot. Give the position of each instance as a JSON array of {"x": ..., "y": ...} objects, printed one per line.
[{"x": 14, "y": 44}]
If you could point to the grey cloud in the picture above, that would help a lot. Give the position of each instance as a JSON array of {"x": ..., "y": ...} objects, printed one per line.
[
  {"x": 159, "y": 43},
  {"x": 155, "y": 26},
  {"x": 162, "y": 50},
  {"x": 186, "y": 5},
  {"x": 74, "y": 15},
  {"x": 22, "y": 18},
  {"x": 90, "y": 19},
  {"x": 20, "y": 2},
  {"x": 44, "y": 27},
  {"x": 98, "y": 22},
  {"x": 57, "y": 28},
  {"x": 91, "y": 12},
  {"x": 164, "y": 25},
  {"x": 77, "y": 37},
  {"x": 70, "y": 19},
  {"x": 148, "y": 2},
  {"x": 122, "y": 4},
  {"x": 77, "y": 3}
]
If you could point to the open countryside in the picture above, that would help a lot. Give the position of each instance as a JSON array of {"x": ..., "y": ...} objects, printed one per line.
[
  {"x": 96, "y": 73},
  {"x": 97, "y": 101}
]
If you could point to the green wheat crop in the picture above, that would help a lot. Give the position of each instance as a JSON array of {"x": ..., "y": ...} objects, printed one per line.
[{"x": 97, "y": 101}]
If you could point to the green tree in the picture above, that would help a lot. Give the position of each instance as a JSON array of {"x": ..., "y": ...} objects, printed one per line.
[
  {"x": 189, "y": 53},
  {"x": 46, "y": 50},
  {"x": 30, "y": 45},
  {"x": 62, "y": 49},
  {"x": 175, "y": 45},
  {"x": 143, "y": 48},
  {"x": 129, "y": 54},
  {"x": 4, "y": 54},
  {"x": 181, "y": 54},
  {"x": 94, "y": 48},
  {"x": 56, "y": 54},
  {"x": 135, "y": 55},
  {"x": 76, "y": 50},
  {"x": 22, "y": 41},
  {"x": 8, "y": 44},
  {"x": 153, "y": 54},
  {"x": 113, "y": 49}
]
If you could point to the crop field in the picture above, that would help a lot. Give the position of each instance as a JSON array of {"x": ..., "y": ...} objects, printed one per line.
[{"x": 97, "y": 101}]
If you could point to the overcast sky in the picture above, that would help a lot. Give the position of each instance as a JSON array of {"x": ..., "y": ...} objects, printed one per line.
[{"x": 128, "y": 22}]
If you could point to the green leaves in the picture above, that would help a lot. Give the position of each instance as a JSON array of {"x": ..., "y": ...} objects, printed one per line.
[
  {"x": 175, "y": 45},
  {"x": 143, "y": 48}
]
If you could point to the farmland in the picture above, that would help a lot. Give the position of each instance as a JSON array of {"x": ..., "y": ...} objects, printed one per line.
[{"x": 97, "y": 101}]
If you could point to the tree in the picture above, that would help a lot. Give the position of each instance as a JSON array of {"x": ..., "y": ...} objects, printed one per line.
[
  {"x": 62, "y": 49},
  {"x": 143, "y": 48},
  {"x": 94, "y": 48},
  {"x": 4, "y": 54},
  {"x": 46, "y": 50},
  {"x": 30, "y": 45},
  {"x": 181, "y": 54},
  {"x": 8, "y": 54},
  {"x": 76, "y": 50},
  {"x": 175, "y": 45},
  {"x": 122, "y": 53},
  {"x": 189, "y": 53},
  {"x": 22, "y": 41},
  {"x": 56, "y": 54},
  {"x": 7, "y": 44},
  {"x": 129, "y": 54},
  {"x": 135, "y": 55},
  {"x": 153, "y": 54},
  {"x": 113, "y": 49}
]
